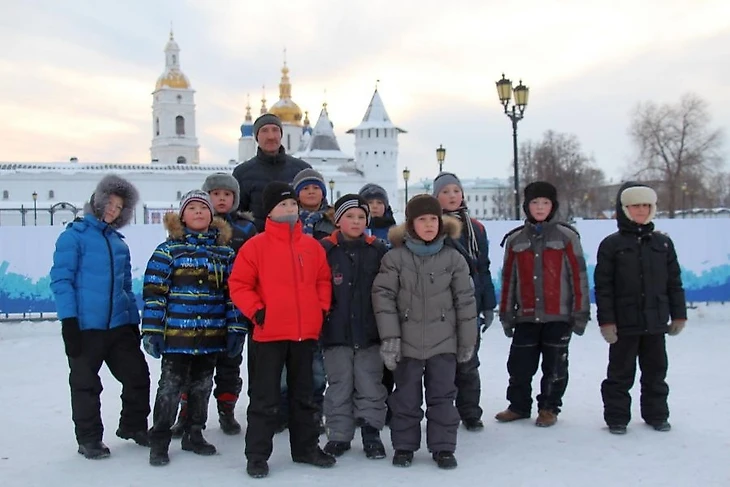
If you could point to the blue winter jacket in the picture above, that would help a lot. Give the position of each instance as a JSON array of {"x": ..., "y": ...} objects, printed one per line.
[
  {"x": 483, "y": 284},
  {"x": 91, "y": 277}
]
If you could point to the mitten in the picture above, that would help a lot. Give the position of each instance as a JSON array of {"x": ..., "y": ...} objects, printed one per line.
[
  {"x": 485, "y": 320},
  {"x": 234, "y": 344},
  {"x": 72, "y": 339},
  {"x": 676, "y": 327},
  {"x": 509, "y": 331},
  {"x": 259, "y": 317},
  {"x": 153, "y": 344},
  {"x": 463, "y": 354},
  {"x": 579, "y": 327},
  {"x": 609, "y": 333},
  {"x": 390, "y": 352}
]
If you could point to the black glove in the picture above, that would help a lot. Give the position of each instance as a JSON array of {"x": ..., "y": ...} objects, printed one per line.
[
  {"x": 71, "y": 334},
  {"x": 259, "y": 317}
]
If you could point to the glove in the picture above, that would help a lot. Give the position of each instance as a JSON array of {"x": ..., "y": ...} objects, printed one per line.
[
  {"x": 153, "y": 344},
  {"x": 609, "y": 333},
  {"x": 509, "y": 331},
  {"x": 579, "y": 327},
  {"x": 234, "y": 344},
  {"x": 259, "y": 317},
  {"x": 464, "y": 354},
  {"x": 390, "y": 352},
  {"x": 676, "y": 327},
  {"x": 485, "y": 320},
  {"x": 71, "y": 334}
]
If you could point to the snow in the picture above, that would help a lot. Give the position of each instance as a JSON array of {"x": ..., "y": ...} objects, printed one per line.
[{"x": 37, "y": 446}]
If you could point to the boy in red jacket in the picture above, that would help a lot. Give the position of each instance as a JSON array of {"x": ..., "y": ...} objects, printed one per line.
[{"x": 281, "y": 281}]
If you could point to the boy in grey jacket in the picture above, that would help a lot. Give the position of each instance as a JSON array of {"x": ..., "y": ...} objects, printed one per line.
[{"x": 425, "y": 309}]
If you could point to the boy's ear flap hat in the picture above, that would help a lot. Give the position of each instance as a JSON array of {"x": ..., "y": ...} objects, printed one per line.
[
  {"x": 638, "y": 195},
  {"x": 540, "y": 189},
  {"x": 419, "y": 205},
  {"x": 222, "y": 180}
]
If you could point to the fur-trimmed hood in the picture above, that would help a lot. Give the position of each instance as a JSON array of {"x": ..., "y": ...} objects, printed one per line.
[
  {"x": 451, "y": 228},
  {"x": 109, "y": 185},
  {"x": 176, "y": 229}
]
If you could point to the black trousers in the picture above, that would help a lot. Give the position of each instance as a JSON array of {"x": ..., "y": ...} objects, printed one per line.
[
  {"x": 266, "y": 362},
  {"x": 177, "y": 368},
  {"x": 228, "y": 375},
  {"x": 530, "y": 341},
  {"x": 119, "y": 349},
  {"x": 652, "y": 354},
  {"x": 469, "y": 386}
]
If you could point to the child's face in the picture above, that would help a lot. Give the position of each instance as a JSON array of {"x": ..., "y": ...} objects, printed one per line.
[
  {"x": 353, "y": 223},
  {"x": 222, "y": 200},
  {"x": 310, "y": 197},
  {"x": 639, "y": 213},
  {"x": 285, "y": 208},
  {"x": 450, "y": 197},
  {"x": 426, "y": 227},
  {"x": 540, "y": 209},
  {"x": 197, "y": 216},
  {"x": 377, "y": 208},
  {"x": 113, "y": 208}
]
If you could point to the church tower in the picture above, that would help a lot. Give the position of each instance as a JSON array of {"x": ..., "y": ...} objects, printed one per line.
[
  {"x": 247, "y": 143},
  {"x": 289, "y": 113},
  {"x": 173, "y": 114}
]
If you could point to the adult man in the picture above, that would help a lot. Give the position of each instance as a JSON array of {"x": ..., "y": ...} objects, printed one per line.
[{"x": 271, "y": 163}]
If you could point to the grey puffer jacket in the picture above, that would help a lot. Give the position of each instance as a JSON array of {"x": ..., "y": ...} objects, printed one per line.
[{"x": 426, "y": 301}]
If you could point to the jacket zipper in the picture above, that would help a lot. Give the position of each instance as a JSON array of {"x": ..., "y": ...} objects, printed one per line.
[
  {"x": 296, "y": 281},
  {"x": 111, "y": 286}
]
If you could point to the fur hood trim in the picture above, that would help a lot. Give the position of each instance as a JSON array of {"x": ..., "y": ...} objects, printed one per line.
[
  {"x": 451, "y": 228},
  {"x": 109, "y": 185},
  {"x": 176, "y": 229}
]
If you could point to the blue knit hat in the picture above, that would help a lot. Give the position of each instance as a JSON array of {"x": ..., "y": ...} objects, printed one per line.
[{"x": 306, "y": 177}]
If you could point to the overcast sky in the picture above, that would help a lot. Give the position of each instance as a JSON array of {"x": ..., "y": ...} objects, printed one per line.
[{"x": 76, "y": 76}]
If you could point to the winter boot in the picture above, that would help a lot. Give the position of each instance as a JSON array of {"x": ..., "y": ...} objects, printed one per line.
[
  {"x": 159, "y": 455},
  {"x": 257, "y": 469},
  {"x": 402, "y": 458},
  {"x": 371, "y": 444},
  {"x": 445, "y": 459},
  {"x": 507, "y": 416},
  {"x": 94, "y": 450},
  {"x": 336, "y": 448},
  {"x": 226, "y": 405},
  {"x": 179, "y": 427},
  {"x": 617, "y": 429},
  {"x": 316, "y": 457},
  {"x": 473, "y": 424},
  {"x": 662, "y": 426},
  {"x": 139, "y": 437},
  {"x": 193, "y": 441},
  {"x": 546, "y": 418}
]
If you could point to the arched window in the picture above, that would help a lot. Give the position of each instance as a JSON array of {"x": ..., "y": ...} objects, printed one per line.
[
  {"x": 179, "y": 195},
  {"x": 377, "y": 133},
  {"x": 157, "y": 126},
  {"x": 51, "y": 194},
  {"x": 181, "y": 160},
  {"x": 174, "y": 59},
  {"x": 180, "y": 125},
  {"x": 6, "y": 194}
]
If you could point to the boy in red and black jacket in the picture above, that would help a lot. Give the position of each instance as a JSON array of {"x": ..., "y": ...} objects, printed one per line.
[{"x": 282, "y": 283}]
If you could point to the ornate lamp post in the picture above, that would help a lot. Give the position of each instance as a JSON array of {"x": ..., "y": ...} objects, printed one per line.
[
  {"x": 332, "y": 190},
  {"x": 406, "y": 177},
  {"x": 35, "y": 208},
  {"x": 440, "y": 156},
  {"x": 521, "y": 92}
]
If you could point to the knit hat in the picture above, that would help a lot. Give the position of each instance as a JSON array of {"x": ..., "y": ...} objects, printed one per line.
[
  {"x": 195, "y": 195},
  {"x": 419, "y": 205},
  {"x": 372, "y": 191},
  {"x": 222, "y": 180},
  {"x": 444, "y": 179},
  {"x": 306, "y": 177},
  {"x": 351, "y": 201},
  {"x": 266, "y": 119},
  {"x": 274, "y": 193},
  {"x": 639, "y": 195},
  {"x": 540, "y": 189}
]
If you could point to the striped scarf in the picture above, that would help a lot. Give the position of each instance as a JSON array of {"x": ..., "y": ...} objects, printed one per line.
[
  {"x": 310, "y": 218},
  {"x": 462, "y": 213}
]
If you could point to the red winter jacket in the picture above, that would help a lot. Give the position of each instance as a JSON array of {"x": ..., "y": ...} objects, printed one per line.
[{"x": 285, "y": 272}]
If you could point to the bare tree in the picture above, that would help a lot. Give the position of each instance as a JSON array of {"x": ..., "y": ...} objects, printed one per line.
[
  {"x": 503, "y": 200},
  {"x": 677, "y": 146}
]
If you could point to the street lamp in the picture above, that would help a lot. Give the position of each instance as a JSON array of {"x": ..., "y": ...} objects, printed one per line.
[
  {"x": 521, "y": 92},
  {"x": 684, "y": 200},
  {"x": 406, "y": 177},
  {"x": 332, "y": 189},
  {"x": 440, "y": 156},
  {"x": 35, "y": 208}
]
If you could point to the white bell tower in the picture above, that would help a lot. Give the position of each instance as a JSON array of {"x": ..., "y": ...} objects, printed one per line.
[{"x": 173, "y": 114}]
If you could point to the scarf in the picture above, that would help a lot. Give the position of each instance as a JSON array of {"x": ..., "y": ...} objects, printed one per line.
[
  {"x": 462, "y": 213},
  {"x": 311, "y": 218},
  {"x": 423, "y": 249}
]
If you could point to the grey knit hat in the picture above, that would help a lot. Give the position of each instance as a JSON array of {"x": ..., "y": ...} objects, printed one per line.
[
  {"x": 222, "y": 180},
  {"x": 195, "y": 195},
  {"x": 306, "y": 177},
  {"x": 372, "y": 191},
  {"x": 266, "y": 119},
  {"x": 444, "y": 179}
]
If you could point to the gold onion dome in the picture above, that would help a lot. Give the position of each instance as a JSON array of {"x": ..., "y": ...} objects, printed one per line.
[
  {"x": 285, "y": 108},
  {"x": 172, "y": 79}
]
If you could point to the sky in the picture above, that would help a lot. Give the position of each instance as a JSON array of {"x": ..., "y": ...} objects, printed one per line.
[{"x": 76, "y": 77}]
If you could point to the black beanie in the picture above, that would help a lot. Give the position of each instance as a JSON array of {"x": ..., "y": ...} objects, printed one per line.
[
  {"x": 419, "y": 205},
  {"x": 540, "y": 189},
  {"x": 266, "y": 119},
  {"x": 274, "y": 193}
]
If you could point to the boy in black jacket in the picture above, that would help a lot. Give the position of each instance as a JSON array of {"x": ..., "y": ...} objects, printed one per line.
[
  {"x": 638, "y": 291},
  {"x": 356, "y": 395}
]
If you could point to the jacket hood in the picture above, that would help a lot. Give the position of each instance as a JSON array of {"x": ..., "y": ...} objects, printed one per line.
[
  {"x": 176, "y": 229},
  {"x": 451, "y": 228},
  {"x": 112, "y": 184},
  {"x": 622, "y": 218}
]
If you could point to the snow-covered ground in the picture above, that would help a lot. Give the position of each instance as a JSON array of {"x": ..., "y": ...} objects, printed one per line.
[{"x": 37, "y": 446}]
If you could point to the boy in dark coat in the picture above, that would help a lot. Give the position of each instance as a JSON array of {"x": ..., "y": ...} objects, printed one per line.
[
  {"x": 356, "y": 395},
  {"x": 640, "y": 298},
  {"x": 544, "y": 297},
  {"x": 381, "y": 214}
]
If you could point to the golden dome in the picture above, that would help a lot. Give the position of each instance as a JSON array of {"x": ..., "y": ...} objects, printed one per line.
[
  {"x": 172, "y": 79},
  {"x": 285, "y": 108}
]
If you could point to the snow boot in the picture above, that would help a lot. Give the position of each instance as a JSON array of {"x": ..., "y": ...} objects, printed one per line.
[
  {"x": 371, "y": 443},
  {"x": 94, "y": 450},
  {"x": 257, "y": 469},
  {"x": 336, "y": 448},
  {"x": 445, "y": 459},
  {"x": 402, "y": 458},
  {"x": 662, "y": 426},
  {"x": 546, "y": 418},
  {"x": 159, "y": 455},
  {"x": 179, "y": 427},
  {"x": 226, "y": 405},
  {"x": 473, "y": 424},
  {"x": 139, "y": 437},
  {"x": 617, "y": 429},
  {"x": 316, "y": 457},
  {"x": 193, "y": 441},
  {"x": 507, "y": 416}
]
